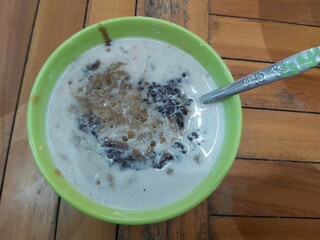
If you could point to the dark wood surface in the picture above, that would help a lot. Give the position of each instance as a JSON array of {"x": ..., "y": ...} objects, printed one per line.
[{"x": 272, "y": 190}]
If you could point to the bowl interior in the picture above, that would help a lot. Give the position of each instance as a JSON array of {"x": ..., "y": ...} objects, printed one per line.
[{"x": 120, "y": 28}]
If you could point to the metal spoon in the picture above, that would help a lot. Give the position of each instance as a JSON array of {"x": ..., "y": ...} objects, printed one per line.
[{"x": 293, "y": 65}]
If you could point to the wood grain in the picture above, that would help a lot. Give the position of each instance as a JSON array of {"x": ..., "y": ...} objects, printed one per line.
[
  {"x": 16, "y": 21},
  {"x": 264, "y": 188},
  {"x": 278, "y": 135},
  {"x": 72, "y": 224},
  {"x": 100, "y": 10},
  {"x": 259, "y": 40},
  {"x": 190, "y": 14},
  {"x": 299, "y": 93},
  {"x": 157, "y": 231},
  {"x": 28, "y": 205},
  {"x": 173, "y": 229},
  {"x": 293, "y": 11},
  {"x": 192, "y": 225},
  {"x": 264, "y": 229}
]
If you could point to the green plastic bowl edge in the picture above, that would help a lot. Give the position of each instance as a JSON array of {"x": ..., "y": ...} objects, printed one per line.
[{"x": 84, "y": 40}]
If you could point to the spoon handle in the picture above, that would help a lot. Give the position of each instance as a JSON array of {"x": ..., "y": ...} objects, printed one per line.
[{"x": 293, "y": 65}]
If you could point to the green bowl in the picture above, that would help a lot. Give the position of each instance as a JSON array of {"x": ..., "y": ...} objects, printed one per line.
[{"x": 121, "y": 28}]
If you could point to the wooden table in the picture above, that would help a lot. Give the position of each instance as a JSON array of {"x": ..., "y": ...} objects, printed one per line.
[{"x": 273, "y": 188}]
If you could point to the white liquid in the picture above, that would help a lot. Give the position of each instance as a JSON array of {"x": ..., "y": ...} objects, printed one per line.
[{"x": 76, "y": 153}]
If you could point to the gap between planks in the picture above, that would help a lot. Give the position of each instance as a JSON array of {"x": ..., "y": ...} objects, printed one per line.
[
  {"x": 254, "y": 19},
  {"x": 9, "y": 138},
  {"x": 259, "y": 216}
]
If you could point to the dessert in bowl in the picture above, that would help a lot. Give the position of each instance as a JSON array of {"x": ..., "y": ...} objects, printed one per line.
[{"x": 116, "y": 125}]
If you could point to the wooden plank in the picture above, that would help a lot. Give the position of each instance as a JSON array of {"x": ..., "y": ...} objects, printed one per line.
[
  {"x": 14, "y": 42},
  {"x": 190, "y": 14},
  {"x": 192, "y": 225},
  {"x": 72, "y": 224},
  {"x": 293, "y": 11},
  {"x": 156, "y": 231},
  {"x": 174, "y": 229},
  {"x": 299, "y": 93},
  {"x": 264, "y": 188},
  {"x": 278, "y": 135},
  {"x": 263, "y": 229},
  {"x": 100, "y": 10},
  {"x": 259, "y": 40},
  {"x": 28, "y": 205}
]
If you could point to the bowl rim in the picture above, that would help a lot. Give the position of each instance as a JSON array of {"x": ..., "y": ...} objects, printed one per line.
[{"x": 116, "y": 215}]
